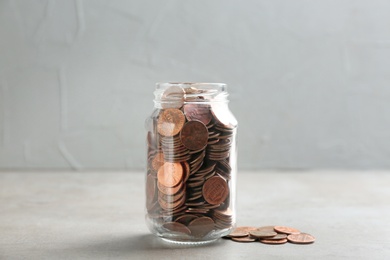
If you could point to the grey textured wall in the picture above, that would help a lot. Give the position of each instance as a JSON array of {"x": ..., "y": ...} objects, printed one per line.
[{"x": 309, "y": 80}]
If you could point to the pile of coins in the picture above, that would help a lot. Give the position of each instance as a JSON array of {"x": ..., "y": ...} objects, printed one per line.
[
  {"x": 189, "y": 169},
  {"x": 270, "y": 235}
]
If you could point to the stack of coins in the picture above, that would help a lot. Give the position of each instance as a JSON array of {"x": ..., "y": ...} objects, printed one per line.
[
  {"x": 273, "y": 235},
  {"x": 189, "y": 168}
]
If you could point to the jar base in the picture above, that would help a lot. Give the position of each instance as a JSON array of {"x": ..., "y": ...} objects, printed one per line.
[{"x": 189, "y": 243}]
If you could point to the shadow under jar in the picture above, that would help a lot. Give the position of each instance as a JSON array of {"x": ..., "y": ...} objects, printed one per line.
[{"x": 191, "y": 163}]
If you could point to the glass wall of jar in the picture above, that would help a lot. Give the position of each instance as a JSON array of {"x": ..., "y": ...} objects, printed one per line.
[{"x": 191, "y": 163}]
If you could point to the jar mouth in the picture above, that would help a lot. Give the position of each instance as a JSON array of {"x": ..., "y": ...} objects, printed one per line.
[
  {"x": 189, "y": 92},
  {"x": 201, "y": 85}
]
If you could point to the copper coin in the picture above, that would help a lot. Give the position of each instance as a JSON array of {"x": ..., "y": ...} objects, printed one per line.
[
  {"x": 301, "y": 238},
  {"x": 158, "y": 161},
  {"x": 286, "y": 230},
  {"x": 186, "y": 169},
  {"x": 170, "y": 190},
  {"x": 215, "y": 190},
  {"x": 277, "y": 237},
  {"x": 170, "y": 174},
  {"x": 173, "y": 97},
  {"x": 223, "y": 115},
  {"x": 176, "y": 227},
  {"x": 200, "y": 112},
  {"x": 171, "y": 198},
  {"x": 201, "y": 226},
  {"x": 194, "y": 135},
  {"x": 262, "y": 234},
  {"x": 266, "y": 228},
  {"x": 241, "y": 231},
  {"x": 238, "y": 234},
  {"x": 171, "y": 205},
  {"x": 244, "y": 239},
  {"x": 273, "y": 242},
  {"x": 186, "y": 219},
  {"x": 170, "y": 122}
]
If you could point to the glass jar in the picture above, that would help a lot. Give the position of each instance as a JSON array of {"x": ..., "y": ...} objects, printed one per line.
[{"x": 191, "y": 163}]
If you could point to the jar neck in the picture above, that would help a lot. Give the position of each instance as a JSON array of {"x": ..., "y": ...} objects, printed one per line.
[{"x": 167, "y": 94}]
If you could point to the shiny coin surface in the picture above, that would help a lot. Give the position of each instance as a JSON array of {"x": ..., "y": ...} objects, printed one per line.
[
  {"x": 215, "y": 190},
  {"x": 286, "y": 230},
  {"x": 170, "y": 122},
  {"x": 170, "y": 174},
  {"x": 273, "y": 242},
  {"x": 301, "y": 238},
  {"x": 194, "y": 135}
]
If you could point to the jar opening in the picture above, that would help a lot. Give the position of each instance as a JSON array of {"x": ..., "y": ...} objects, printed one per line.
[{"x": 186, "y": 92}]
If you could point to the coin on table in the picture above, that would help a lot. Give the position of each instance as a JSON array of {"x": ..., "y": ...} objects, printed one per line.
[
  {"x": 241, "y": 231},
  {"x": 194, "y": 135},
  {"x": 286, "y": 230},
  {"x": 244, "y": 239},
  {"x": 262, "y": 234},
  {"x": 170, "y": 122},
  {"x": 238, "y": 233},
  {"x": 273, "y": 242},
  {"x": 200, "y": 112},
  {"x": 265, "y": 228},
  {"x": 215, "y": 190},
  {"x": 170, "y": 174},
  {"x": 301, "y": 238},
  {"x": 277, "y": 237}
]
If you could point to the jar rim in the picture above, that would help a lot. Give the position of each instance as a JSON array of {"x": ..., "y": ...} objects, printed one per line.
[
  {"x": 187, "y": 92},
  {"x": 205, "y": 85}
]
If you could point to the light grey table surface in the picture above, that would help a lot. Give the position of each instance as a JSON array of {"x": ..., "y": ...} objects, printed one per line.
[{"x": 100, "y": 215}]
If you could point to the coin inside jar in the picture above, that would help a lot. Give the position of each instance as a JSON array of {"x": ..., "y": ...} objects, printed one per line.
[
  {"x": 170, "y": 174},
  {"x": 215, "y": 190},
  {"x": 170, "y": 122},
  {"x": 200, "y": 112},
  {"x": 201, "y": 226},
  {"x": 190, "y": 164},
  {"x": 194, "y": 135},
  {"x": 172, "y": 97}
]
